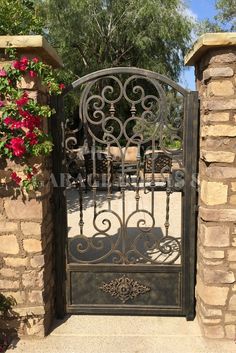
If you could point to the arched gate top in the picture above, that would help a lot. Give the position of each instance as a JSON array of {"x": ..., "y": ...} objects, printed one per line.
[{"x": 126, "y": 70}]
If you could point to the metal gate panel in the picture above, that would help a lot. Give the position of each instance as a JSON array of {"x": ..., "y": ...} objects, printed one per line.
[{"x": 125, "y": 257}]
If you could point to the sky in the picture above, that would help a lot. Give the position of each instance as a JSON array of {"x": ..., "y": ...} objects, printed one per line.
[{"x": 200, "y": 10}]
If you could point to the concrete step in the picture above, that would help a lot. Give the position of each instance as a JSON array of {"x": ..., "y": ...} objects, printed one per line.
[{"x": 124, "y": 334}]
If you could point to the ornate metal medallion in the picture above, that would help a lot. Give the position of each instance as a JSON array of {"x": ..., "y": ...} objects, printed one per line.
[{"x": 124, "y": 288}]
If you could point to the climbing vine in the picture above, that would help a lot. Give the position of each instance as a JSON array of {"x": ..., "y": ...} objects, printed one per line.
[{"x": 21, "y": 132}]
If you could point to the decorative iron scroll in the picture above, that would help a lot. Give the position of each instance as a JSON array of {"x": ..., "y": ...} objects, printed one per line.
[
  {"x": 124, "y": 288},
  {"x": 122, "y": 111}
]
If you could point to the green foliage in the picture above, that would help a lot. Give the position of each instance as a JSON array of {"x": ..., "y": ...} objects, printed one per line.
[
  {"x": 20, "y": 17},
  {"x": 21, "y": 129},
  {"x": 95, "y": 34},
  {"x": 227, "y": 12},
  {"x": 224, "y": 21},
  {"x": 6, "y": 303}
]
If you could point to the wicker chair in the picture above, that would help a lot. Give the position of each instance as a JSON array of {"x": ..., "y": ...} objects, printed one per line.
[
  {"x": 158, "y": 163},
  {"x": 101, "y": 168}
]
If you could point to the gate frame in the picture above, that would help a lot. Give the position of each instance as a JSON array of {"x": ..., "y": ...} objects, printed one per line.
[{"x": 189, "y": 218}]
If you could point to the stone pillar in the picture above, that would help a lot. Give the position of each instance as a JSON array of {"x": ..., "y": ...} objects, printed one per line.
[
  {"x": 26, "y": 224},
  {"x": 214, "y": 58}
]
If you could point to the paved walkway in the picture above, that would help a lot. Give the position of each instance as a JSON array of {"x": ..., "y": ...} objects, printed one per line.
[{"x": 124, "y": 334}]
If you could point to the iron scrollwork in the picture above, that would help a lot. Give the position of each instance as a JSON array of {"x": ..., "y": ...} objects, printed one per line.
[
  {"x": 124, "y": 288},
  {"x": 153, "y": 112}
]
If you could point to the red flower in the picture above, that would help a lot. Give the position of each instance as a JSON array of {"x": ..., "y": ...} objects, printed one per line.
[
  {"x": 13, "y": 124},
  {"x": 2, "y": 103},
  {"x": 16, "y": 65},
  {"x": 3, "y": 73},
  {"x": 24, "y": 60},
  {"x": 15, "y": 178},
  {"x": 23, "y": 100},
  {"x": 17, "y": 146},
  {"x": 61, "y": 86},
  {"x": 16, "y": 125},
  {"x": 32, "y": 73},
  {"x": 35, "y": 60},
  {"x": 21, "y": 65},
  {"x": 31, "y": 121},
  {"x": 32, "y": 137},
  {"x": 8, "y": 120}
]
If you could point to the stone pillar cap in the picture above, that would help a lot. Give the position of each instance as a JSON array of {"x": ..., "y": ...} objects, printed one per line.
[
  {"x": 206, "y": 42},
  {"x": 33, "y": 44}
]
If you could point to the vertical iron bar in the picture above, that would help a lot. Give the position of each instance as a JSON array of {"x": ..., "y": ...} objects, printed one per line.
[
  {"x": 137, "y": 196},
  {"x": 94, "y": 185},
  {"x": 60, "y": 212},
  {"x": 81, "y": 221},
  {"x": 109, "y": 161},
  {"x": 167, "y": 223},
  {"x": 153, "y": 176},
  {"x": 189, "y": 206}
]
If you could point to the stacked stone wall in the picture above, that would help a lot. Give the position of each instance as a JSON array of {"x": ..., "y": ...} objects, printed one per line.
[
  {"x": 26, "y": 241},
  {"x": 216, "y": 252}
]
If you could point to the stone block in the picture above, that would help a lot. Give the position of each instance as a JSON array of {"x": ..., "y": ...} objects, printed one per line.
[
  {"x": 8, "y": 272},
  {"x": 214, "y": 331},
  {"x": 35, "y": 297},
  {"x": 212, "y": 254},
  {"x": 231, "y": 254},
  {"x": 28, "y": 210},
  {"x": 230, "y": 317},
  {"x": 220, "y": 173},
  {"x": 212, "y": 295},
  {"x": 230, "y": 332},
  {"x": 32, "y": 279},
  {"x": 210, "y": 312},
  {"x": 31, "y": 228},
  {"x": 219, "y": 130},
  {"x": 29, "y": 310},
  {"x": 6, "y": 284},
  {"x": 32, "y": 245},
  {"x": 216, "y": 236},
  {"x": 8, "y": 226},
  {"x": 211, "y": 321},
  {"x": 218, "y": 276},
  {"x": 233, "y": 186},
  {"x": 219, "y": 104},
  {"x": 217, "y": 72},
  {"x": 9, "y": 244},
  {"x": 214, "y": 193},
  {"x": 37, "y": 261},
  {"x": 218, "y": 156},
  {"x": 220, "y": 88},
  {"x": 232, "y": 303},
  {"x": 223, "y": 58},
  {"x": 212, "y": 262},
  {"x": 232, "y": 200},
  {"x": 217, "y": 215},
  {"x": 15, "y": 261},
  {"x": 216, "y": 117}
]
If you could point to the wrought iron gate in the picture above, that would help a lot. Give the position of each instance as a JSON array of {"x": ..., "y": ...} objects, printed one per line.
[{"x": 130, "y": 157}]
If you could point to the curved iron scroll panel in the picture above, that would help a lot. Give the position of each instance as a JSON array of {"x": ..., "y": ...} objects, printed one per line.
[{"x": 154, "y": 111}]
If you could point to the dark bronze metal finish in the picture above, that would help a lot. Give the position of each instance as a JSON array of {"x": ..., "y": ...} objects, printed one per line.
[
  {"x": 124, "y": 288},
  {"x": 145, "y": 270}
]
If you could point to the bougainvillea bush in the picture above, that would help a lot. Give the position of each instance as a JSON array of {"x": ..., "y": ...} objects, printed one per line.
[{"x": 21, "y": 133}]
